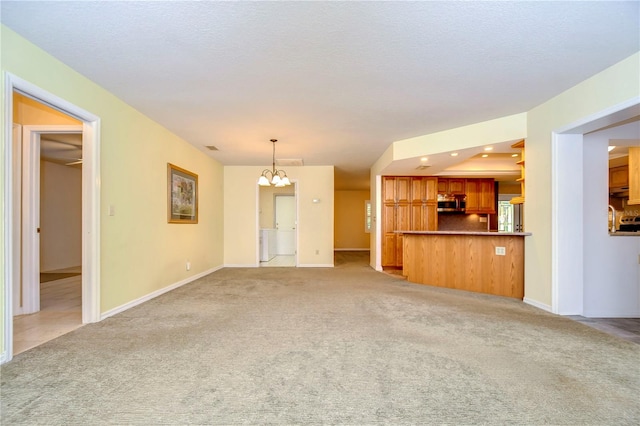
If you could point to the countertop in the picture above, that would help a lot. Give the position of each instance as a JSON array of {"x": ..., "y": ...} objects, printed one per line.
[
  {"x": 478, "y": 233},
  {"x": 624, "y": 234}
]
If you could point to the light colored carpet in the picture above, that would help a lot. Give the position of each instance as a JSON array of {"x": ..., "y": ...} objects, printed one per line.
[{"x": 325, "y": 346}]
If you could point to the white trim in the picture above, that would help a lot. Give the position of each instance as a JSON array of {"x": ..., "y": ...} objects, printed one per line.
[
  {"x": 157, "y": 293},
  {"x": 608, "y": 116},
  {"x": 351, "y": 249},
  {"x": 316, "y": 265},
  {"x": 16, "y": 194},
  {"x": 241, "y": 265},
  {"x": 537, "y": 304},
  {"x": 8, "y": 231},
  {"x": 378, "y": 223},
  {"x": 90, "y": 203}
]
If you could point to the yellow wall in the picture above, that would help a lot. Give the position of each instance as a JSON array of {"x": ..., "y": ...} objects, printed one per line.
[
  {"x": 350, "y": 220},
  {"x": 315, "y": 220},
  {"x": 29, "y": 111},
  {"x": 502, "y": 129},
  {"x": 612, "y": 86},
  {"x": 140, "y": 251}
]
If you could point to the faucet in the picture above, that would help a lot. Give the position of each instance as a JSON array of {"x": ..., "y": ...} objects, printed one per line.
[{"x": 613, "y": 218}]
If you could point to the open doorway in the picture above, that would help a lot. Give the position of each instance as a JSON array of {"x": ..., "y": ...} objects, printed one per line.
[
  {"x": 86, "y": 125},
  {"x": 594, "y": 272},
  {"x": 278, "y": 226},
  {"x": 48, "y": 297}
]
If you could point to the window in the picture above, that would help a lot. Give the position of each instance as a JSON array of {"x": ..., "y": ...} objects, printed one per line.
[
  {"x": 367, "y": 216},
  {"x": 505, "y": 216}
]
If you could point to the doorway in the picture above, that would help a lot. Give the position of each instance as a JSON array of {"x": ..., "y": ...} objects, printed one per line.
[
  {"x": 600, "y": 278},
  {"x": 48, "y": 298},
  {"x": 278, "y": 235},
  {"x": 90, "y": 219}
]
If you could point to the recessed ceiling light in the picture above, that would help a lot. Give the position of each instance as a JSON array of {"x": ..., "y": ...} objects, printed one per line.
[
  {"x": 485, "y": 155},
  {"x": 454, "y": 154},
  {"x": 423, "y": 159},
  {"x": 611, "y": 148},
  {"x": 489, "y": 148},
  {"x": 514, "y": 155}
]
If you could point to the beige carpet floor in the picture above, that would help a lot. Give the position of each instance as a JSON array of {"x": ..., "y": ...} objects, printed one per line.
[{"x": 346, "y": 346}]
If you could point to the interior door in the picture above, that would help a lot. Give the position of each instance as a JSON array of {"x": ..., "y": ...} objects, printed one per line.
[
  {"x": 30, "y": 222},
  {"x": 17, "y": 209},
  {"x": 285, "y": 216}
]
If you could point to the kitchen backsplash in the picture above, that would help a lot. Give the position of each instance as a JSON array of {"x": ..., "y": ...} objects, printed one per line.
[{"x": 461, "y": 222}]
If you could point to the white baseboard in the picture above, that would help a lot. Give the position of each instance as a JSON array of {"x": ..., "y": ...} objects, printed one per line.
[
  {"x": 537, "y": 304},
  {"x": 241, "y": 265},
  {"x": 351, "y": 249},
  {"x": 156, "y": 293},
  {"x": 315, "y": 265}
]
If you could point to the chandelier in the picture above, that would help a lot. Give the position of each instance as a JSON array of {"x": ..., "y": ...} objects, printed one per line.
[{"x": 274, "y": 177}]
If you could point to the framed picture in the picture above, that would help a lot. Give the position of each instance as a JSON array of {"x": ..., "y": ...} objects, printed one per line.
[{"x": 182, "y": 195}]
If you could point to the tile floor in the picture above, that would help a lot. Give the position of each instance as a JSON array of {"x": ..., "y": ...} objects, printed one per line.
[
  {"x": 625, "y": 328},
  {"x": 60, "y": 313}
]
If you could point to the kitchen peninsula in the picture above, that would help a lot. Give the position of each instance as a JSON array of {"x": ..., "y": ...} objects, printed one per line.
[{"x": 483, "y": 262}]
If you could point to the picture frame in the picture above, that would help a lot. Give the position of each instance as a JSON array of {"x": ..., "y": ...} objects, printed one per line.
[{"x": 182, "y": 195}]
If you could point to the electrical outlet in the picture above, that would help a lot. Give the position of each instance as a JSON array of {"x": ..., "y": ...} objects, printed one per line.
[
  {"x": 188, "y": 265},
  {"x": 317, "y": 251},
  {"x": 501, "y": 251}
]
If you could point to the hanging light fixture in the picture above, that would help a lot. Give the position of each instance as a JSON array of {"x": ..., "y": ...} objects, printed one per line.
[{"x": 274, "y": 177}]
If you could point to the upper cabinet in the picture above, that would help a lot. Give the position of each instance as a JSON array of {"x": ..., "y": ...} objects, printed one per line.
[
  {"x": 396, "y": 189},
  {"x": 451, "y": 186},
  {"x": 634, "y": 176},
  {"x": 618, "y": 179},
  {"x": 481, "y": 196}
]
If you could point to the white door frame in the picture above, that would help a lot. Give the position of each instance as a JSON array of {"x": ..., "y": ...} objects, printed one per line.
[
  {"x": 31, "y": 212},
  {"x": 296, "y": 188},
  {"x": 90, "y": 205}
]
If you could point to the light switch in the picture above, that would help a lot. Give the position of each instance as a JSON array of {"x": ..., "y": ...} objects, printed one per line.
[
  {"x": 501, "y": 251},
  {"x": 112, "y": 210}
]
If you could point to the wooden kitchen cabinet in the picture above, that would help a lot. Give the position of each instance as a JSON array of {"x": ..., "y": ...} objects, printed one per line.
[
  {"x": 634, "y": 175},
  {"x": 451, "y": 186},
  {"x": 409, "y": 203},
  {"x": 618, "y": 178},
  {"x": 481, "y": 197}
]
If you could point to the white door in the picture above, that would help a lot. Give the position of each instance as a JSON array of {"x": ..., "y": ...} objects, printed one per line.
[
  {"x": 30, "y": 221},
  {"x": 285, "y": 216}
]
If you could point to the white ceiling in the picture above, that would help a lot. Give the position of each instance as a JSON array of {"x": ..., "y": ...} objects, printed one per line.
[{"x": 335, "y": 82}]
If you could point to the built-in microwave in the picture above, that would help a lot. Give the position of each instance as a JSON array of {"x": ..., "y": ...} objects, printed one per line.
[{"x": 452, "y": 203}]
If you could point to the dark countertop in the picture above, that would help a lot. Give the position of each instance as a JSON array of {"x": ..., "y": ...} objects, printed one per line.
[
  {"x": 624, "y": 234},
  {"x": 478, "y": 233}
]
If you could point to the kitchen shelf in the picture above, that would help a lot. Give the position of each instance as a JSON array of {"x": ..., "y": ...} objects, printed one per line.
[{"x": 520, "y": 199}]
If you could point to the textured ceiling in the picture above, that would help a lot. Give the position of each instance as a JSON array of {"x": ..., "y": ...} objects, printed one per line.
[{"x": 335, "y": 82}]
